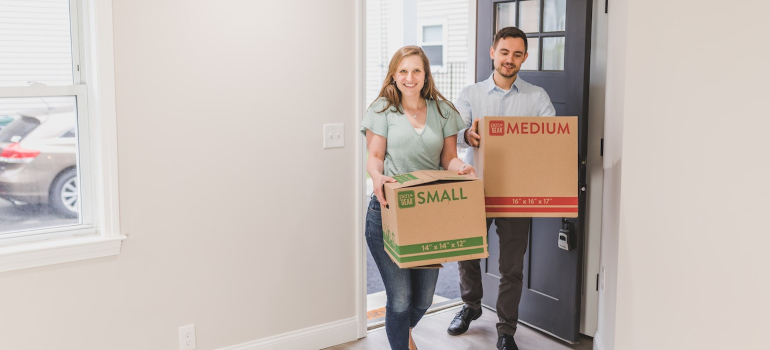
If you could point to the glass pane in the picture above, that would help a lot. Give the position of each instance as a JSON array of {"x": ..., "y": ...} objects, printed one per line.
[
  {"x": 432, "y": 34},
  {"x": 529, "y": 16},
  {"x": 506, "y": 15},
  {"x": 555, "y": 15},
  {"x": 39, "y": 186},
  {"x": 553, "y": 53},
  {"x": 435, "y": 54},
  {"x": 35, "y": 43},
  {"x": 533, "y": 60}
]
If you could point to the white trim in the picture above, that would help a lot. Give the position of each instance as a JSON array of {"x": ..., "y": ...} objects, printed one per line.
[
  {"x": 40, "y": 91},
  {"x": 101, "y": 76},
  {"x": 317, "y": 337},
  {"x": 102, "y": 228},
  {"x": 598, "y": 343},
  {"x": 360, "y": 174},
  {"x": 22, "y": 256},
  {"x": 49, "y": 234},
  {"x": 471, "y": 70},
  {"x": 76, "y": 37}
]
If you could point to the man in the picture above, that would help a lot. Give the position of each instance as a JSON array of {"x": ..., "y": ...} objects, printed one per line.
[{"x": 503, "y": 94}]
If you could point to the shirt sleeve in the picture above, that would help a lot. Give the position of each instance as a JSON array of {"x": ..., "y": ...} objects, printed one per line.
[
  {"x": 454, "y": 122},
  {"x": 463, "y": 106},
  {"x": 375, "y": 121},
  {"x": 545, "y": 108}
]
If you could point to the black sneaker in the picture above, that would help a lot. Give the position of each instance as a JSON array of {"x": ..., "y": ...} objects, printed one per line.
[
  {"x": 506, "y": 342},
  {"x": 463, "y": 320}
]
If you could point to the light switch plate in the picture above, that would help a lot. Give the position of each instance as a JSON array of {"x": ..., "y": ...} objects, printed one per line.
[{"x": 334, "y": 135}]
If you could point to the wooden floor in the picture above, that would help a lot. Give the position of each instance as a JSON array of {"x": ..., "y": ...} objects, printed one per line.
[{"x": 430, "y": 334}]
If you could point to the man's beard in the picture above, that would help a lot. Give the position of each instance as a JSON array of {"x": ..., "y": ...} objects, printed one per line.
[{"x": 514, "y": 70}]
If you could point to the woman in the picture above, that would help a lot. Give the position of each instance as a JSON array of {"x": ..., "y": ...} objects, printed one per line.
[{"x": 409, "y": 127}]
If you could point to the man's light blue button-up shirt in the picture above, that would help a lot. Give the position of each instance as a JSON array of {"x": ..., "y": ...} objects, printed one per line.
[{"x": 485, "y": 99}]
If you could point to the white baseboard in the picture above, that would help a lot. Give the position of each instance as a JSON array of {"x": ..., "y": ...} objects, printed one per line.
[
  {"x": 312, "y": 338},
  {"x": 598, "y": 343}
]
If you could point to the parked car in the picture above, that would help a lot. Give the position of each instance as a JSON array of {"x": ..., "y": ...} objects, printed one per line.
[{"x": 38, "y": 160}]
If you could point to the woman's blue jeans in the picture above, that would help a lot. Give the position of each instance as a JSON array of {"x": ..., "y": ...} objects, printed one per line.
[{"x": 409, "y": 291}]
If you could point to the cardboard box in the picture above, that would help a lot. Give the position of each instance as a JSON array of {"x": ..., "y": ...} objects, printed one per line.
[
  {"x": 529, "y": 166},
  {"x": 433, "y": 217}
]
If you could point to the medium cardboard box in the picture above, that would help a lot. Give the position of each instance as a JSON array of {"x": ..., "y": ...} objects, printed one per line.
[
  {"x": 529, "y": 166},
  {"x": 434, "y": 216}
]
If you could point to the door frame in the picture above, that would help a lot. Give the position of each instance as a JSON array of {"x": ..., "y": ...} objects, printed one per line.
[
  {"x": 589, "y": 318},
  {"x": 360, "y": 168},
  {"x": 594, "y": 173}
]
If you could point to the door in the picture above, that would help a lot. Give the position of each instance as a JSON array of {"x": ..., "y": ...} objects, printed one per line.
[{"x": 558, "y": 34}]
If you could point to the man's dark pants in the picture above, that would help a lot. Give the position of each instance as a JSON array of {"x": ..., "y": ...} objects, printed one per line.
[{"x": 513, "y": 235}]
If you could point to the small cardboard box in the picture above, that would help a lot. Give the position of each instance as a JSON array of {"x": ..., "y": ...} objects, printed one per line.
[
  {"x": 434, "y": 216},
  {"x": 529, "y": 166}
]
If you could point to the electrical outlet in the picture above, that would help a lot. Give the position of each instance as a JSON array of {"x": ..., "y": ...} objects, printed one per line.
[
  {"x": 187, "y": 337},
  {"x": 334, "y": 135}
]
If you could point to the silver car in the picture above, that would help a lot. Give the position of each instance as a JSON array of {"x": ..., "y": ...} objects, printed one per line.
[{"x": 38, "y": 160}]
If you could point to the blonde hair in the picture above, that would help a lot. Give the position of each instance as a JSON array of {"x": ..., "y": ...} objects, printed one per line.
[{"x": 393, "y": 95}]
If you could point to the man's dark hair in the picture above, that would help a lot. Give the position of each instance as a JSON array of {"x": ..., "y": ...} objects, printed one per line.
[{"x": 511, "y": 32}]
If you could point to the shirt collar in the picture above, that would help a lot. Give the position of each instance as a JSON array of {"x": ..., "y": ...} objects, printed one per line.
[{"x": 490, "y": 86}]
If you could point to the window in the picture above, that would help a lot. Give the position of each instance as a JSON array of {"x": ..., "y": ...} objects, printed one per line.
[
  {"x": 433, "y": 42},
  {"x": 545, "y": 34},
  {"x": 57, "y": 139}
]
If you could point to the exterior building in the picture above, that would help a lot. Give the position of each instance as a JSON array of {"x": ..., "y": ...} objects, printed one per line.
[{"x": 439, "y": 27}]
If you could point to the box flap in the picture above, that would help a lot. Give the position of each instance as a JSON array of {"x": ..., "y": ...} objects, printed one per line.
[
  {"x": 448, "y": 175},
  {"x": 410, "y": 179},
  {"x": 421, "y": 177}
]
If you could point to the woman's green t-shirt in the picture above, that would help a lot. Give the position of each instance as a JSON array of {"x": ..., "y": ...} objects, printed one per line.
[{"x": 407, "y": 150}]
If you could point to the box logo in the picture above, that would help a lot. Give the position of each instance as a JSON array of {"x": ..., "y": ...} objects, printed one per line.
[
  {"x": 538, "y": 128},
  {"x": 496, "y": 128},
  {"x": 406, "y": 199},
  {"x": 447, "y": 195}
]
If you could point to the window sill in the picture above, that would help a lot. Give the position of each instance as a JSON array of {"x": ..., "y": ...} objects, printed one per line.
[{"x": 22, "y": 256}]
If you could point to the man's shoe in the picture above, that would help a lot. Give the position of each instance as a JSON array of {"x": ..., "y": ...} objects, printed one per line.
[
  {"x": 463, "y": 320},
  {"x": 506, "y": 342}
]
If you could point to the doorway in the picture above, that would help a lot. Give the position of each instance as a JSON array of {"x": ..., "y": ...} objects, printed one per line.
[
  {"x": 441, "y": 29},
  {"x": 385, "y": 34}
]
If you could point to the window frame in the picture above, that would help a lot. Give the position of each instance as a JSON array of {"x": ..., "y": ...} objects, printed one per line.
[
  {"x": 538, "y": 36},
  {"x": 99, "y": 234},
  {"x": 435, "y": 68}
]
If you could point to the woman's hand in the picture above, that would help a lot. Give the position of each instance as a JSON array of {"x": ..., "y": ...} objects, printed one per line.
[
  {"x": 467, "y": 169},
  {"x": 378, "y": 182}
]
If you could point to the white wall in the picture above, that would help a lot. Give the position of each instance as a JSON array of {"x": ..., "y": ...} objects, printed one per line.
[
  {"x": 685, "y": 235},
  {"x": 238, "y": 220}
]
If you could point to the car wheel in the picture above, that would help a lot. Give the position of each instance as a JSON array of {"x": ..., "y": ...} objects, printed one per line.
[{"x": 64, "y": 194}]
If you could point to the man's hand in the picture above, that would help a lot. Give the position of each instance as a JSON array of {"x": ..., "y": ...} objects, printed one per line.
[{"x": 472, "y": 136}]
